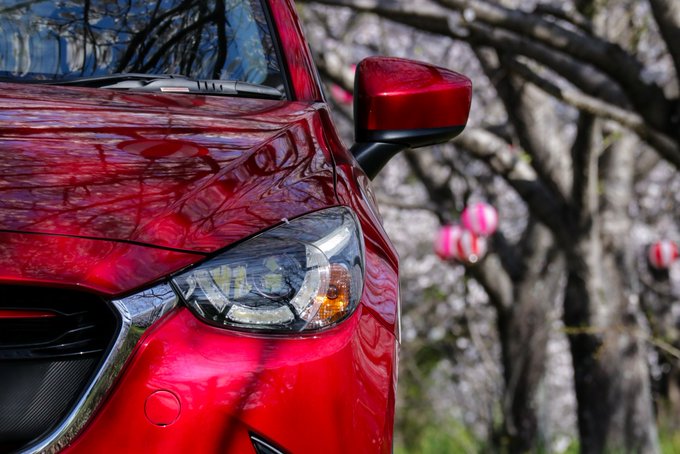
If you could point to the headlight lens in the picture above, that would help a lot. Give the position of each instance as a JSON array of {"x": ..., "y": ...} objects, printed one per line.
[{"x": 303, "y": 275}]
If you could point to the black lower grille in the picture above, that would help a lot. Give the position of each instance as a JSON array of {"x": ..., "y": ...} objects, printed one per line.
[{"x": 51, "y": 343}]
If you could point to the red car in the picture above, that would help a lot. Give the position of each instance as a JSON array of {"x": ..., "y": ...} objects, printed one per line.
[{"x": 190, "y": 259}]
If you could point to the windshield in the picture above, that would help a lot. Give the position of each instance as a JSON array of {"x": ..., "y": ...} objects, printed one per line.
[{"x": 201, "y": 39}]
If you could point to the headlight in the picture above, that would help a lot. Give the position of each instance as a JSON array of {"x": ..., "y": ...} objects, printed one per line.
[{"x": 303, "y": 275}]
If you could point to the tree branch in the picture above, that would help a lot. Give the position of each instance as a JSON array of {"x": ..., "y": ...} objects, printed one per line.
[
  {"x": 613, "y": 103},
  {"x": 647, "y": 97},
  {"x": 521, "y": 176},
  {"x": 520, "y": 108},
  {"x": 666, "y": 146},
  {"x": 430, "y": 20},
  {"x": 440, "y": 194},
  {"x": 496, "y": 282},
  {"x": 563, "y": 12},
  {"x": 667, "y": 16},
  {"x": 585, "y": 77},
  {"x": 584, "y": 156}
]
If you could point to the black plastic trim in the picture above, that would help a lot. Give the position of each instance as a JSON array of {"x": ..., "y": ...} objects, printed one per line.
[
  {"x": 136, "y": 313},
  {"x": 372, "y": 156},
  {"x": 278, "y": 48},
  {"x": 412, "y": 138},
  {"x": 74, "y": 343},
  {"x": 375, "y": 148}
]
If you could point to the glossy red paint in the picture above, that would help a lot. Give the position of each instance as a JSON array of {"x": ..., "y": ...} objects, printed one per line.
[
  {"x": 297, "y": 56},
  {"x": 394, "y": 94},
  {"x": 330, "y": 392},
  {"x": 105, "y": 267},
  {"x": 99, "y": 200},
  {"x": 174, "y": 171},
  {"x": 381, "y": 293},
  {"x": 162, "y": 408},
  {"x": 27, "y": 314},
  {"x": 151, "y": 170},
  {"x": 112, "y": 192}
]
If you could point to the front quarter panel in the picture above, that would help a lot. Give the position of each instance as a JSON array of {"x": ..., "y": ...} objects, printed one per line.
[
  {"x": 381, "y": 295},
  {"x": 322, "y": 393},
  {"x": 330, "y": 392}
]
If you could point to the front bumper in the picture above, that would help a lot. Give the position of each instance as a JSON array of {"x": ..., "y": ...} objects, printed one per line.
[{"x": 191, "y": 387}]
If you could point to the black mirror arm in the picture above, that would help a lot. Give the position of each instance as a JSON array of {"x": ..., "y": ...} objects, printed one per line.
[
  {"x": 372, "y": 156},
  {"x": 375, "y": 148}
]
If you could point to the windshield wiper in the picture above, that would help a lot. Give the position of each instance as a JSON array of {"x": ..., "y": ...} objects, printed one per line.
[
  {"x": 172, "y": 83},
  {"x": 101, "y": 81},
  {"x": 91, "y": 81}
]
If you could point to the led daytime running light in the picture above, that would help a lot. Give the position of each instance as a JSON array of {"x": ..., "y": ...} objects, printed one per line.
[{"x": 303, "y": 275}]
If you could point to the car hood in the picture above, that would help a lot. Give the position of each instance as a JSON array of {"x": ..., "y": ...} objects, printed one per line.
[{"x": 185, "y": 173}]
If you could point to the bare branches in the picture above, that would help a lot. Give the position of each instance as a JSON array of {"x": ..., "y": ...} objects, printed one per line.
[
  {"x": 440, "y": 194},
  {"x": 666, "y": 146},
  {"x": 431, "y": 20},
  {"x": 647, "y": 97},
  {"x": 566, "y": 13},
  {"x": 585, "y": 77},
  {"x": 667, "y": 16},
  {"x": 520, "y": 175},
  {"x": 584, "y": 158},
  {"x": 524, "y": 111},
  {"x": 608, "y": 78}
]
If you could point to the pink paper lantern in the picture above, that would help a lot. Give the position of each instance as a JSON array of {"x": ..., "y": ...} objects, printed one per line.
[
  {"x": 662, "y": 254},
  {"x": 454, "y": 242},
  {"x": 445, "y": 245},
  {"x": 480, "y": 218},
  {"x": 470, "y": 248}
]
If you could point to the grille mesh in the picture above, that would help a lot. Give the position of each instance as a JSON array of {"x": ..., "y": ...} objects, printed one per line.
[{"x": 46, "y": 362}]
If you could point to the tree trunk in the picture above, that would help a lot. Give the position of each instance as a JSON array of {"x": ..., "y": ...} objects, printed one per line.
[
  {"x": 523, "y": 322},
  {"x": 524, "y": 341},
  {"x": 602, "y": 316},
  {"x": 523, "y": 367},
  {"x": 611, "y": 377},
  {"x": 658, "y": 301}
]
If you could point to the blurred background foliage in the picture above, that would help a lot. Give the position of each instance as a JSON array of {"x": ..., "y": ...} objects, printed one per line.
[{"x": 562, "y": 338}]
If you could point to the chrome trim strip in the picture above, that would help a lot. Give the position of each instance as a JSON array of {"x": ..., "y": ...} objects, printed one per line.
[
  {"x": 137, "y": 312},
  {"x": 263, "y": 444}
]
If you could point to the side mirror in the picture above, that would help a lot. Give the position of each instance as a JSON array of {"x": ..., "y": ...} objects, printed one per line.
[{"x": 401, "y": 104}]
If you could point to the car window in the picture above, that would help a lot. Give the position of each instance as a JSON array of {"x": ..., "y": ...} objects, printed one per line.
[{"x": 201, "y": 39}]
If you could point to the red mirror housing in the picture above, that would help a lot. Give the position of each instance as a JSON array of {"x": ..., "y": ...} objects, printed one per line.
[
  {"x": 408, "y": 102},
  {"x": 402, "y": 103}
]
